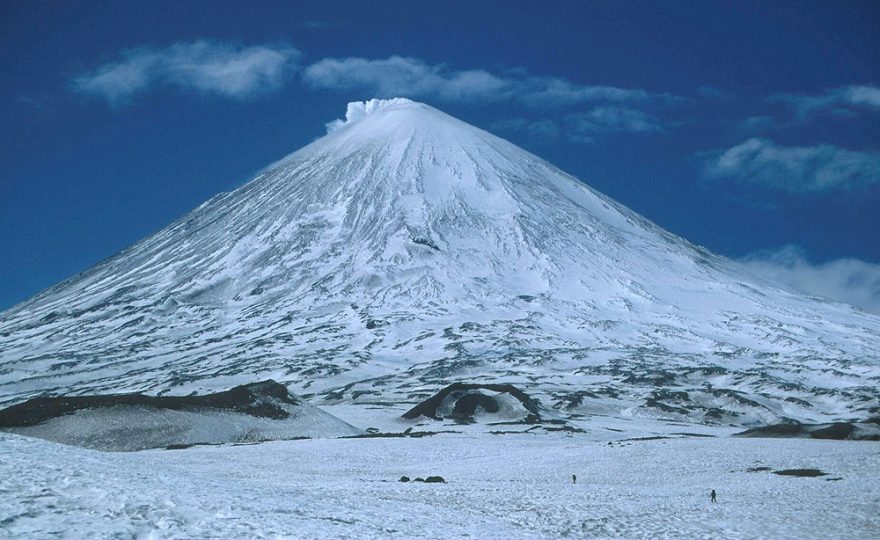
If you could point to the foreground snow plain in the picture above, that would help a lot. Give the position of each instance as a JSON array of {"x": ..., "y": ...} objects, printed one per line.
[{"x": 499, "y": 486}]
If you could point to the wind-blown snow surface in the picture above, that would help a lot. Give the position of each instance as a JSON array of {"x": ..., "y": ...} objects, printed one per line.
[
  {"x": 511, "y": 486},
  {"x": 406, "y": 250}
]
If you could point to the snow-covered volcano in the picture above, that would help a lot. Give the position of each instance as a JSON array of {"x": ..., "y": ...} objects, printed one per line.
[{"x": 406, "y": 250}]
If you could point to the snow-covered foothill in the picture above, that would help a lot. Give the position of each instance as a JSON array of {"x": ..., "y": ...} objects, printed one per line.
[{"x": 252, "y": 413}]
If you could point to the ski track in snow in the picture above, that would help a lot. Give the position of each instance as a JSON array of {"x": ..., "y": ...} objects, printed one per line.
[{"x": 512, "y": 486}]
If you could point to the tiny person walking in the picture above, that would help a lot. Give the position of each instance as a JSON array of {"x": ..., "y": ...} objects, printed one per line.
[{"x": 712, "y": 496}]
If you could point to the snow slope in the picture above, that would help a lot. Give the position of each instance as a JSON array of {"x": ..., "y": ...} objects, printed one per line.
[{"x": 406, "y": 250}]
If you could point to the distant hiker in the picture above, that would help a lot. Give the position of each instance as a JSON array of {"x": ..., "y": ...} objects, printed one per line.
[
  {"x": 712, "y": 496},
  {"x": 574, "y": 479}
]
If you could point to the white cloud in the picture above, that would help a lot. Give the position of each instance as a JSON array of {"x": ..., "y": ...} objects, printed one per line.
[
  {"x": 868, "y": 96},
  {"x": 540, "y": 91},
  {"x": 758, "y": 123},
  {"x": 207, "y": 67},
  {"x": 714, "y": 93},
  {"x": 584, "y": 128},
  {"x": 795, "y": 169},
  {"x": 851, "y": 281},
  {"x": 836, "y": 101},
  {"x": 401, "y": 76},
  {"x": 612, "y": 119},
  {"x": 411, "y": 77},
  {"x": 318, "y": 25},
  {"x": 544, "y": 129},
  {"x": 117, "y": 82}
]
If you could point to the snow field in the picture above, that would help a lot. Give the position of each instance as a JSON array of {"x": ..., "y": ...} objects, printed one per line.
[{"x": 509, "y": 486}]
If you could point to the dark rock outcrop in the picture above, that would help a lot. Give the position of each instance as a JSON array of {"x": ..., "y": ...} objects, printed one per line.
[
  {"x": 461, "y": 402},
  {"x": 804, "y": 473},
  {"x": 854, "y": 431},
  {"x": 259, "y": 399}
]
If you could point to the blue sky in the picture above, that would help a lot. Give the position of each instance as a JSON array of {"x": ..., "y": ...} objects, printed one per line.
[{"x": 750, "y": 128}]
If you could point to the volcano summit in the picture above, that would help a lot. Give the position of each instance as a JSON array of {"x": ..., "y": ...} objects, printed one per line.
[{"x": 406, "y": 250}]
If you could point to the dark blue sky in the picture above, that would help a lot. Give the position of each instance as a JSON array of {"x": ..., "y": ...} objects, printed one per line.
[{"x": 748, "y": 127}]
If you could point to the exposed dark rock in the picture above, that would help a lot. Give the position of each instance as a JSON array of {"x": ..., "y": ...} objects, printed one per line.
[
  {"x": 397, "y": 434},
  {"x": 806, "y": 473},
  {"x": 775, "y": 430},
  {"x": 837, "y": 431},
  {"x": 468, "y": 399},
  {"x": 651, "y": 402},
  {"x": 647, "y": 438},
  {"x": 567, "y": 429},
  {"x": 468, "y": 404},
  {"x": 429, "y": 480},
  {"x": 717, "y": 414},
  {"x": 435, "y": 480},
  {"x": 256, "y": 399},
  {"x": 856, "y": 431},
  {"x": 737, "y": 396},
  {"x": 404, "y": 479},
  {"x": 658, "y": 379},
  {"x": 801, "y": 402},
  {"x": 426, "y": 242},
  {"x": 574, "y": 400}
]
